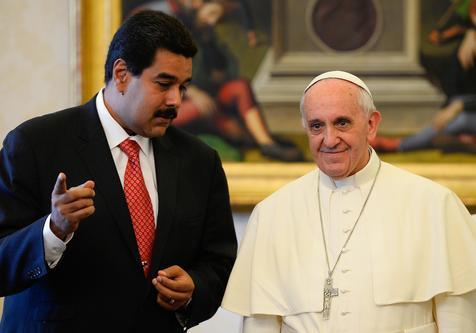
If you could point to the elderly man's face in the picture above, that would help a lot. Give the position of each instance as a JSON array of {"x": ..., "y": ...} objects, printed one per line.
[{"x": 337, "y": 128}]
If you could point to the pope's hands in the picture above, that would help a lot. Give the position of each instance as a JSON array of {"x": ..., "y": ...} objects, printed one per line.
[
  {"x": 174, "y": 288},
  {"x": 70, "y": 206}
]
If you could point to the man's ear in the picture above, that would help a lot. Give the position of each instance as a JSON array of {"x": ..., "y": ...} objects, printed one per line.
[
  {"x": 374, "y": 122},
  {"x": 120, "y": 75}
]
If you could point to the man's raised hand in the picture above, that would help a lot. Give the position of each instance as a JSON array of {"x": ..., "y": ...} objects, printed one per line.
[{"x": 70, "y": 206}]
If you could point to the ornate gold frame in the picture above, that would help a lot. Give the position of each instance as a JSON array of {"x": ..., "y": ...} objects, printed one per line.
[
  {"x": 99, "y": 21},
  {"x": 250, "y": 183}
]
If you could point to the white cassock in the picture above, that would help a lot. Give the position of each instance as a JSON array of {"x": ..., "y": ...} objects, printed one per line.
[{"x": 409, "y": 265}]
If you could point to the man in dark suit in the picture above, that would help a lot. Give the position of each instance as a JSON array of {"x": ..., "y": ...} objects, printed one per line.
[{"x": 139, "y": 243}]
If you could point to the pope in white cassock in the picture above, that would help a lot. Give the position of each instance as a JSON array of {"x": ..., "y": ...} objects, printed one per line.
[{"x": 359, "y": 245}]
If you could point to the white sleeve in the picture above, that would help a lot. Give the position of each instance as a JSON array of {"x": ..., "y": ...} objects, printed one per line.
[
  {"x": 456, "y": 314},
  {"x": 262, "y": 324},
  {"x": 54, "y": 247}
]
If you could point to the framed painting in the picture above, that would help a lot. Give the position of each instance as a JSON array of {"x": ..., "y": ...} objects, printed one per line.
[{"x": 255, "y": 57}]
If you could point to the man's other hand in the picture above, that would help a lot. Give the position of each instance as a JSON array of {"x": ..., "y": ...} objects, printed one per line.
[{"x": 174, "y": 288}]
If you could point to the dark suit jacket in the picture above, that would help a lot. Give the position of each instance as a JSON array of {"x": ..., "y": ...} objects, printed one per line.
[{"x": 98, "y": 284}]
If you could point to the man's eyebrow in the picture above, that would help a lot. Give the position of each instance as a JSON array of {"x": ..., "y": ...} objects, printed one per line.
[
  {"x": 171, "y": 77},
  {"x": 167, "y": 76},
  {"x": 314, "y": 120},
  {"x": 341, "y": 119}
]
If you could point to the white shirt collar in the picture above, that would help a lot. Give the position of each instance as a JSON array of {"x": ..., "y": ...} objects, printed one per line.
[
  {"x": 115, "y": 134},
  {"x": 366, "y": 175}
]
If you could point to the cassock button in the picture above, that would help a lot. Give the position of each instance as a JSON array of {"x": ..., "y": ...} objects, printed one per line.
[
  {"x": 346, "y": 211},
  {"x": 344, "y": 313},
  {"x": 345, "y": 230},
  {"x": 345, "y": 270}
]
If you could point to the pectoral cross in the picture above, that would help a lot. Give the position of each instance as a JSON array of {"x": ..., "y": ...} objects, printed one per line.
[{"x": 328, "y": 293}]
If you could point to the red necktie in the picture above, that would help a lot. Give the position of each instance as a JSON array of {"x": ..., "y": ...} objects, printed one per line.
[{"x": 138, "y": 201}]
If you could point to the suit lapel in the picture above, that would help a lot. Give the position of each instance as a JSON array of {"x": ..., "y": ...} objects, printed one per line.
[
  {"x": 166, "y": 162},
  {"x": 95, "y": 152}
]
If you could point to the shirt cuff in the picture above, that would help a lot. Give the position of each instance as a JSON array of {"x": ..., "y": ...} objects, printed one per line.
[
  {"x": 182, "y": 315},
  {"x": 54, "y": 247}
]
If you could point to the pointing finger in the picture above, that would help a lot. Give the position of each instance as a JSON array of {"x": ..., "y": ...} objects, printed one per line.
[{"x": 60, "y": 185}]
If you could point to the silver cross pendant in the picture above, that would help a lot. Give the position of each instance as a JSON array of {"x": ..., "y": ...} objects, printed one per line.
[{"x": 329, "y": 292}]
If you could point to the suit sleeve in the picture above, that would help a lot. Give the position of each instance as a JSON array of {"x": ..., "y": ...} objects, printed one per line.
[
  {"x": 22, "y": 259},
  {"x": 218, "y": 251}
]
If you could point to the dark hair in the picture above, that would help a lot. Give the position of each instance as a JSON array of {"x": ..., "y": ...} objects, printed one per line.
[{"x": 141, "y": 35}]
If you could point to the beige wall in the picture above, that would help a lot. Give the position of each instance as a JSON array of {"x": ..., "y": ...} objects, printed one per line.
[{"x": 37, "y": 61}]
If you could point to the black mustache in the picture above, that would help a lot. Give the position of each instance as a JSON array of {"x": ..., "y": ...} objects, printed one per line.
[{"x": 169, "y": 113}]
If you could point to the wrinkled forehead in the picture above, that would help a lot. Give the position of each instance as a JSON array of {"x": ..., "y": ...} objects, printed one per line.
[
  {"x": 332, "y": 98},
  {"x": 331, "y": 90}
]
